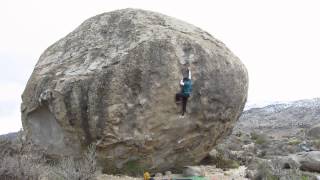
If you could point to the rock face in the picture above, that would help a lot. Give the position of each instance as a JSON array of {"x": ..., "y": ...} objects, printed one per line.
[{"x": 112, "y": 82}]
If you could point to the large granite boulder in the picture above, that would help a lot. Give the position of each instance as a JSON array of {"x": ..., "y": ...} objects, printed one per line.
[{"x": 112, "y": 81}]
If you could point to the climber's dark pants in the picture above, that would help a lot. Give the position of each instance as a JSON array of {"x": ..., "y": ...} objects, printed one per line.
[{"x": 184, "y": 98}]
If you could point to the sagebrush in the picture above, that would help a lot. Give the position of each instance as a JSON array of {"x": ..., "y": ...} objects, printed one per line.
[{"x": 22, "y": 160}]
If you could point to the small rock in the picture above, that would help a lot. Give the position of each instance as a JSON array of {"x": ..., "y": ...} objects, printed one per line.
[
  {"x": 213, "y": 153},
  {"x": 168, "y": 173},
  {"x": 158, "y": 174},
  {"x": 192, "y": 171},
  {"x": 250, "y": 173},
  {"x": 249, "y": 147}
]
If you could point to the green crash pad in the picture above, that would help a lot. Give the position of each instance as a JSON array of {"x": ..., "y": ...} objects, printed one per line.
[{"x": 192, "y": 178}]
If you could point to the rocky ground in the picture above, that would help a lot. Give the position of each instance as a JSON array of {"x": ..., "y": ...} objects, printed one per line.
[
  {"x": 255, "y": 150},
  {"x": 279, "y": 136},
  {"x": 210, "y": 172}
]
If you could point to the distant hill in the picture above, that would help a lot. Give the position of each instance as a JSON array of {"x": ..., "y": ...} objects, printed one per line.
[
  {"x": 9, "y": 136},
  {"x": 289, "y": 116}
]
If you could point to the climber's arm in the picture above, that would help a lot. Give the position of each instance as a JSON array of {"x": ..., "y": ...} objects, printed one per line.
[
  {"x": 181, "y": 82},
  {"x": 189, "y": 74}
]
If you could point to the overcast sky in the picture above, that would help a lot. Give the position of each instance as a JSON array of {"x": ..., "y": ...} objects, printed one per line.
[{"x": 277, "y": 40}]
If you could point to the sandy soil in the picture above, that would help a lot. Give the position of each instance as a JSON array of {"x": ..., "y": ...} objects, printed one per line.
[{"x": 211, "y": 172}]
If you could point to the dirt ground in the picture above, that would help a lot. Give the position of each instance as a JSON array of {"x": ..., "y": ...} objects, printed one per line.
[{"x": 210, "y": 172}]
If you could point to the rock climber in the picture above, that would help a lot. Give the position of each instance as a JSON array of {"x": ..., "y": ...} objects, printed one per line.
[{"x": 186, "y": 88}]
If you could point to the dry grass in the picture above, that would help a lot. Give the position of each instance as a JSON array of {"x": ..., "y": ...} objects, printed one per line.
[
  {"x": 71, "y": 169},
  {"x": 22, "y": 160}
]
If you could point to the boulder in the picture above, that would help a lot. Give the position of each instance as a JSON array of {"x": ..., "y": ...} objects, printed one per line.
[
  {"x": 112, "y": 82},
  {"x": 192, "y": 171},
  {"x": 249, "y": 147},
  {"x": 213, "y": 154},
  {"x": 307, "y": 161},
  {"x": 168, "y": 173},
  {"x": 314, "y": 132}
]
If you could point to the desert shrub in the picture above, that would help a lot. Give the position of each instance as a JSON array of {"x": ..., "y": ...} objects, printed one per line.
[
  {"x": 264, "y": 173},
  {"x": 238, "y": 133},
  {"x": 260, "y": 139},
  {"x": 20, "y": 167},
  {"x": 5, "y": 147},
  {"x": 226, "y": 163},
  {"x": 261, "y": 153},
  {"x": 20, "y": 159},
  {"x": 223, "y": 160},
  {"x": 134, "y": 168},
  {"x": 70, "y": 168},
  {"x": 304, "y": 177},
  {"x": 294, "y": 142}
]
